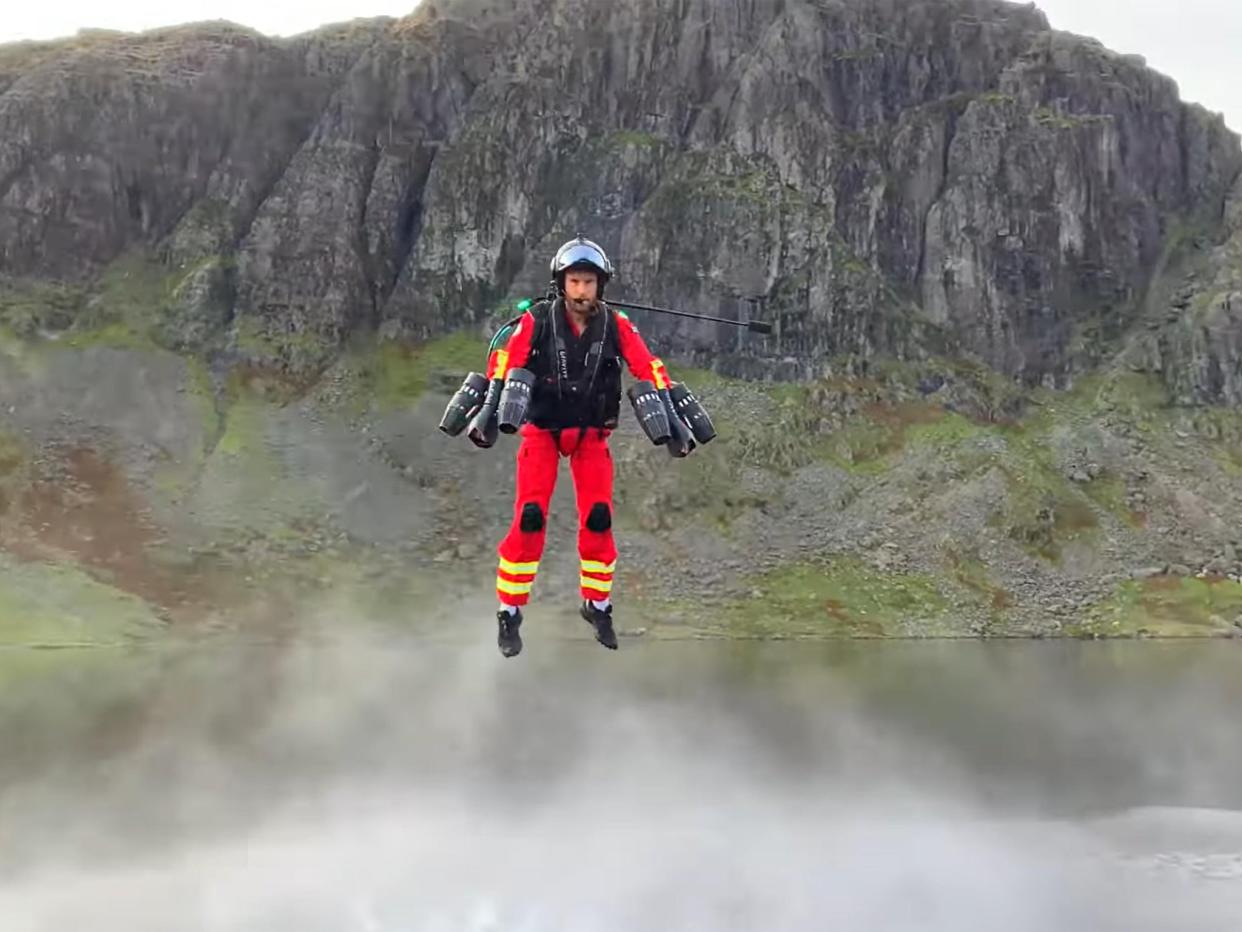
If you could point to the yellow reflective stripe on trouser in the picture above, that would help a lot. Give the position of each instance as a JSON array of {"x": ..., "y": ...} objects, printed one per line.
[
  {"x": 513, "y": 588},
  {"x": 519, "y": 569},
  {"x": 599, "y": 585},
  {"x": 594, "y": 566}
]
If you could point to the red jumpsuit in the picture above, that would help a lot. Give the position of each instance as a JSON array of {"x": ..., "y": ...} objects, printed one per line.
[{"x": 590, "y": 461}]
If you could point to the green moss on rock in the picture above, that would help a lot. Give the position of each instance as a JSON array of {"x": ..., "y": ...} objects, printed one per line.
[
  {"x": 300, "y": 353},
  {"x": 136, "y": 303},
  {"x": 244, "y": 429},
  {"x": 394, "y": 374},
  {"x": 29, "y": 307}
]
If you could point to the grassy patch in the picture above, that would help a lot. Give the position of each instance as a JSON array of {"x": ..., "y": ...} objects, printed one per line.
[
  {"x": 1140, "y": 399},
  {"x": 783, "y": 440},
  {"x": 43, "y": 604},
  {"x": 1229, "y": 457},
  {"x": 1142, "y": 402},
  {"x": 866, "y": 443},
  {"x": 12, "y": 453},
  {"x": 129, "y": 306},
  {"x": 134, "y": 304},
  {"x": 862, "y": 424},
  {"x": 243, "y": 429},
  {"x": 862, "y": 446},
  {"x": 969, "y": 572},
  {"x": 854, "y": 55},
  {"x": 624, "y": 138},
  {"x": 1043, "y": 517},
  {"x": 12, "y": 461},
  {"x": 30, "y": 307},
  {"x": 734, "y": 188},
  {"x": 858, "y": 424},
  {"x": 1043, "y": 510},
  {"x": 394, "y": 374},
  {"x": 702, "y": 490},
  {"x": 301, "y": 351},
  {"x": 1109, "y": 492},
  {"x": 1046, "y": 116},
  {"x": 264, "y": 382},
  {"x": 1165, "y": 606},
  {"x": 1128, "y": 392},
  {"x": 130, "y": 300},
  {"x": 1218, "y": 429},
  {"x": 701, "y": 380},
  {"x": 944, "y": 432},
  {"x": 199, "y": 386},
  {"x": 841, "y": 599}
]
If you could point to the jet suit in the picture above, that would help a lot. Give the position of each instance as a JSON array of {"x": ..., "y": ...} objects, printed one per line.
[{"x": 573, "y": 409}]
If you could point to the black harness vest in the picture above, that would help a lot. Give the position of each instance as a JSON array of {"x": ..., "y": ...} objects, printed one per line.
[{"x": 577, "y": 378}]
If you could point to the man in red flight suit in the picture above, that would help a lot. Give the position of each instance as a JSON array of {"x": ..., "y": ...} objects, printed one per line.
[{"x": 574, "y": 346}]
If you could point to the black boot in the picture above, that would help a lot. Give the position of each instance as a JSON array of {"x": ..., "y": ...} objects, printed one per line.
[
  {"x": 601, "y": 620},
  {"x": 508, "y": 638}
]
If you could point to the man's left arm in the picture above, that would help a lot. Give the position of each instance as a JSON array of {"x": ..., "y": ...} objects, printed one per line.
[{"x": 642, "y": 363}]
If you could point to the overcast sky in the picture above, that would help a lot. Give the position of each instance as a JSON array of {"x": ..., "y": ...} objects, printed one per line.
[{"x": 1196, "y": 42}]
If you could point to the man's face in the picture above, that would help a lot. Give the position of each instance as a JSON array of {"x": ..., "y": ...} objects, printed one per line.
[{"x": 581, "y": 288}]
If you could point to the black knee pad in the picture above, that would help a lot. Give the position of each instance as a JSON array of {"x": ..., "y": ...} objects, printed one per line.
[
  {"x": 532, "y": 517},
  {"x": 599, "y": 518}
]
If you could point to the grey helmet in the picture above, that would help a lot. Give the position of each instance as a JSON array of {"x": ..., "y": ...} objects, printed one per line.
[{"x": 581, "y": 253}]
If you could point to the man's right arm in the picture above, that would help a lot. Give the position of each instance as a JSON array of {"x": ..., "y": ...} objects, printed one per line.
[
  {"x": 513, "y": 352},
  {"x": 507, "y": 352}
]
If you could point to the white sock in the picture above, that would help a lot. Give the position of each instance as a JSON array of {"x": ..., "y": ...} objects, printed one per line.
[
  {"x": 602, "y": 606},
  {"x": 511, "y": 609}
]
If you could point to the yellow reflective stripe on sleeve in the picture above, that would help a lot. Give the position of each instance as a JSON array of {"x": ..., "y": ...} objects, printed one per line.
[
  {"x": 513, "y": 588},
  {"x": 502, "y": 364},
  {"x": 599, "y": 585},
  {"x": 594, "y": 566},
  {"x": 519, "y": 569},
  {"x": 659, "y": 374}
]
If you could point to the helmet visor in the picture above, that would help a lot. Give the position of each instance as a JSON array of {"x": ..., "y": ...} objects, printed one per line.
[{"x": 583, "y": 254}]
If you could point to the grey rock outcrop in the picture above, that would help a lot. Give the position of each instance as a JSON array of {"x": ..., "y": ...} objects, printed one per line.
[{"x": 888, "y": 177}]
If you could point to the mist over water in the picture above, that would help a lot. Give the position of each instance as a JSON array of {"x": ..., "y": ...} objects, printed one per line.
[{"x": 376, "y": 781}]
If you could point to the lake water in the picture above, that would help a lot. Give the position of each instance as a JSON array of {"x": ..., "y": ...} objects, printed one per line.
[{"x": 369, "y": 781}]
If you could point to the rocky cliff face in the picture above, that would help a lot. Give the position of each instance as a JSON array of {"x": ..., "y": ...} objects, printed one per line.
[
  {"x": 1193, "y": 332},
  {"x": 890, "y": 177}
]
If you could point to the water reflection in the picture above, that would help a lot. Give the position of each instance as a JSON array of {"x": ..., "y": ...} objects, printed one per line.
[{"x": 377, "y": 782}]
